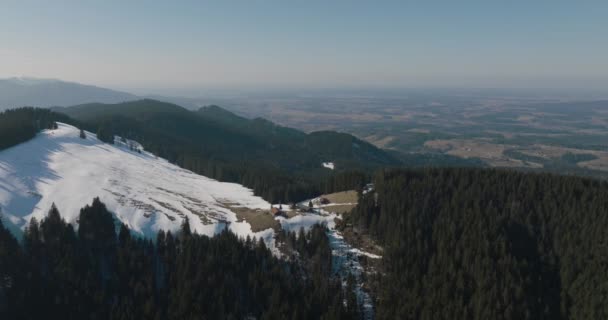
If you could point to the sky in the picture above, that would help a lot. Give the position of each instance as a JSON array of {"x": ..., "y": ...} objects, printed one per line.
[{"x": 148, "y": 45}]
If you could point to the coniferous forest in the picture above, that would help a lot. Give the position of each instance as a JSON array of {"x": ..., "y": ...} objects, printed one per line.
[
  {"x": 20, "y": 125},
  {"x": 488, "y": 244},
  {"x": 97, "y": 273}
]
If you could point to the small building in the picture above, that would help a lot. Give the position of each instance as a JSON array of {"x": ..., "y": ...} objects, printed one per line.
[
  {"x": 276, "y": 212},
  {"x": 324, "y": 200}
]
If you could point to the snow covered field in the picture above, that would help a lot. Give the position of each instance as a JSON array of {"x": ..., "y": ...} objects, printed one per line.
[{"x": 144, "y": 192}]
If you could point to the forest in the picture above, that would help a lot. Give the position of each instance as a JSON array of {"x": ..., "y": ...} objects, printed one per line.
[
  {"x": 488, "y": 244},
  {"x": 20, "y": 125},
  {"x": 95, "y": 272}
]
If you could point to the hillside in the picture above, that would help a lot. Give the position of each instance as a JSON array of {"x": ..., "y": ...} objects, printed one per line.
[
  {"x": 212, "y": 126},
  {"x": 19, "y": 92},
  {"x": 144, "y": 192},
  {"x": 281, "y": 164}
]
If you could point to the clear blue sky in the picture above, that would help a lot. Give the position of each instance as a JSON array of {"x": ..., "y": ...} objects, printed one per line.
[{"x": 197, "y": 44}]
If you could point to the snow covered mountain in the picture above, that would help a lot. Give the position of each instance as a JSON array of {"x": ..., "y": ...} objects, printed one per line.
[
  {"x": 35, "y": 92},
  {"x": 144, "y": 192}
]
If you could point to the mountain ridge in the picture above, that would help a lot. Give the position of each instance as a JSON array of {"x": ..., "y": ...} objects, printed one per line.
[
  {"x": 36, "y": 92},
  {"x": 279, "y": 163}
]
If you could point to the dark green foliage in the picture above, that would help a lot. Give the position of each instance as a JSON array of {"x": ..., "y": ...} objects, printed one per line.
[
  {"x": 488, "y": 244},
  {"x": 11, "y": 264},
  {"x": 20, "y": 125},
  {"x": 341, "y": 181},
  {"x": 105, "y": 133},
  {"x": 280, "y": 164},
  {"x": 351, "y": 298},
  {"x": 312, "y": 249},
  {"x": 98, "y": 274},
  {"x": 96, "y": 226}
]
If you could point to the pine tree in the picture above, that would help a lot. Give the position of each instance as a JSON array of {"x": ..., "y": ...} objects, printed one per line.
[
  {"x": 97, "y": 228},
  {"x": 352, "y": 303},
  {"x": 185, "y": 228},
  {"x": 105, "y": 134}
]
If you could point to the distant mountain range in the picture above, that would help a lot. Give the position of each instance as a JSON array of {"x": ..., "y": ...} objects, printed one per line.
[
  {"x": 19, "y": 92},
  {"x": 34, "y": 92}
]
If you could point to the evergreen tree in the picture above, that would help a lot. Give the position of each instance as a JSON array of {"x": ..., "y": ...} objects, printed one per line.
[{"x": 105, "y": 133}]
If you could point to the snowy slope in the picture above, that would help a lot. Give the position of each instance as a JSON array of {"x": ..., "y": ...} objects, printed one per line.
[{"x": 145, "y": 192}]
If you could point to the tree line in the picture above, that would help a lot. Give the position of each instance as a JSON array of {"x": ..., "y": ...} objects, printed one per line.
[
  {"x": 95, "y": 272},
  {"x": 20, "y": 125}
]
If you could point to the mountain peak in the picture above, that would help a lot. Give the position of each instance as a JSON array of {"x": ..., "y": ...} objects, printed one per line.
[{"x": 25, "y": 80}]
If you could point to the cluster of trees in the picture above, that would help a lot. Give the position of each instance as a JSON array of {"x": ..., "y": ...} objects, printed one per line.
[
  {"x": 20, "y": 125},
  {"x": 95, "y": 273},
  {"x": 488, "y": 244},
  {"x": 105, "y": 133}
]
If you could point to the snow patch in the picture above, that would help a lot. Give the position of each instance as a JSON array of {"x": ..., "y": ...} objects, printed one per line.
[
  {"x": 328, "y": 165},
  {"x": 363, "y": 253},
  {"x": 143, "y": 191},
  {"x": 306, "y": 221}
]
